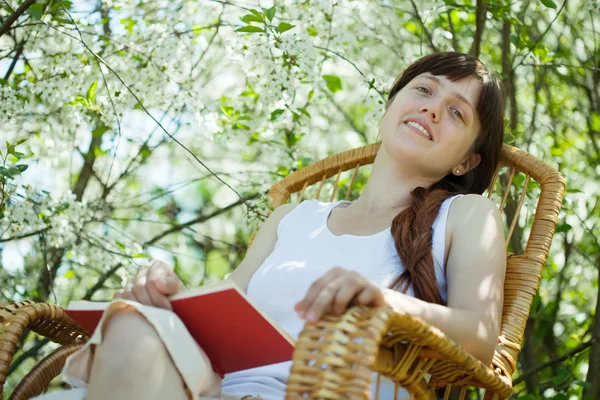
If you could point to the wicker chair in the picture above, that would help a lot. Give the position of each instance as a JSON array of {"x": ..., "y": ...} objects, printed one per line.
[{"x": 335, "y": 357}]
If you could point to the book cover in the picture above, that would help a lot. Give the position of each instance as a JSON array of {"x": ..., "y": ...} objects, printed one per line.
[{"x": 234, "y": 334}]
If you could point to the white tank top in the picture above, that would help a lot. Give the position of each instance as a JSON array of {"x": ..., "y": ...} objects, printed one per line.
[{"x": 304, "y": 251}]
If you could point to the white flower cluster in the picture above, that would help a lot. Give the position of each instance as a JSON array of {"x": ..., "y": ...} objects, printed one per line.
[
  {"x": 209, "y": 123},
  {"x": 593, "y": 5},
  {"x": 62, "y": 219},
  {"x": 10, "y": 104}
]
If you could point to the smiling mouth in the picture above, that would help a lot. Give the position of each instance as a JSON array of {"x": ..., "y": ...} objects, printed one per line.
[{"x": 419, "y": 128}]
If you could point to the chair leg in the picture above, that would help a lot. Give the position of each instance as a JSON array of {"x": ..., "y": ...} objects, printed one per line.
[{"x": 38, "y": 379}]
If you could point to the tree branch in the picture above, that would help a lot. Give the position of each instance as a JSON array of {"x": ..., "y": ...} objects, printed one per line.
[
  {"x": 15, "y": 59},
  {"x": 198, "y": 219},
  {"x": 480, "y": 14},
  {"x": 32, "y": 352},
  {"x": 423, "y": 27},
  {"x": 593, "y": 390},
  {"x": 14, "y": 16},
  {"x": 556, "y": 360},
  {"x": 100, "y": 283},
  {"x": 451, "y": 25}
]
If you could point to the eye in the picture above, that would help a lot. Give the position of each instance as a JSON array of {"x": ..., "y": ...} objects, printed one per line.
[
  {"x": 423, "y": 89},
  {"x": 457, "y": 113}
]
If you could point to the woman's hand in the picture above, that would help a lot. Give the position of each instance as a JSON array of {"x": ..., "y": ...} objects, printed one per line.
[
  {"x": 335, "y": 291},
  {"x": 152, "y": 285}
]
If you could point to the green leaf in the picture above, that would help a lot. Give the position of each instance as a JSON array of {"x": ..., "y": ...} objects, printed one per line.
[
  {"x": 251, "y": 18},
  {"x": 250, "y": 29},
  {"x": 227, "y": 110},
  {"x": 270, "y": 13},
  {"x": 138, "y": 255},
  {"x": 562, "y": 228},
  {"x": 91, "y": 93},
  {"x": 549, "y": 4},
  {"x": 284, "y": 27},
  {"x": 14, "y": 171},
  {"x": 120, "y": 245},
  {"x": 312, "y": 31},
  {"x": 254, "y": 138},
  {"x": 237, "y": 125},
  {"x": 334, "y": 83},
  {"x": 129, "y": 24},
  {"x": 22, "y": 167},
  {"x": 36, "y": 10},
  {"x": 70, "y": 274},
  {"x": 283, "y": 171},
  {"x": 595, "y": 122},
  {"x": 303, "y": 111},
  {"x": 258, "y": 14},
  {"x": 276, "y": 114},
  {"x": 5, "y": 173},
  {"x": 100, "y": 130}
]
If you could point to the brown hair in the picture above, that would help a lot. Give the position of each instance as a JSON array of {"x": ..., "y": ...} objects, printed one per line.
[{"x": 412, "y": 228}]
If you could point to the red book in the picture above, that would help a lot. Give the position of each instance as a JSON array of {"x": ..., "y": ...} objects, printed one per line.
[{"x": 234, "y": 333}]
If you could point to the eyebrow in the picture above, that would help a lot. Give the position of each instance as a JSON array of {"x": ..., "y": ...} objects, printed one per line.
[{"x": 456, "y": 94}]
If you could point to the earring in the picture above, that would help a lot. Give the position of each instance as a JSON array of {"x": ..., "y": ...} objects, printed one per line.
[{"x": 458, "y": 171}]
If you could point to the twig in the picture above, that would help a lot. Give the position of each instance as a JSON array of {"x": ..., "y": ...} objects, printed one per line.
[
  {"x": 139, "y": 102},
  {"x": 26, "y": 235},
  {"x": 32, "y": 352},
  {"x": 198, "y": 219},
  {"x": 451, "y": 25},
  {"x": 541, "y": 36},
  {"x": 14, "y": 16},
  {"x": 423, "y": 27},
  {"x": 100, "y": 283},
  {"x": 556, "y": 360}
]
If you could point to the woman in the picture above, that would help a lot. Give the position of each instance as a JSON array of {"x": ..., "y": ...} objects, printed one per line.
[{"x": 420, "y": 239}]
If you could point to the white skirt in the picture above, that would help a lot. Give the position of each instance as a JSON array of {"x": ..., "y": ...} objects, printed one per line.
[{"x": 201, "y": 382}]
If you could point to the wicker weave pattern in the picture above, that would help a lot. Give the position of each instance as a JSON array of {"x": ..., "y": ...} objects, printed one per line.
[
  {"x": 334, "y": 357},
  {"x": 47, "y": 320},
  {"x": 409, "y": 347}
]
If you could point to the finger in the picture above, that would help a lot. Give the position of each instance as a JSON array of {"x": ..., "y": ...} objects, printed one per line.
[
  {"x": 169, "y": 285},
  {"x": 370, "y": 296},
  {"x": 141, "y": 292},
  {"x": 323, "y": 301},
  {"x": 127, "y": 294},
  {"x": 158, "y": 298},
  {"x": 350, "y": 287},
  {"x": 314, "y": 290},
  {"x": 142, "y": 271}
]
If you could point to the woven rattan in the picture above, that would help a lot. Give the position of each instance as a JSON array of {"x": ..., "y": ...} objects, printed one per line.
[{"x": 335, "y": 357}]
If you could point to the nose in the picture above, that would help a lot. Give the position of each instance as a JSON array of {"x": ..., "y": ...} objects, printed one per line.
[{"x": 431, "y": 110}]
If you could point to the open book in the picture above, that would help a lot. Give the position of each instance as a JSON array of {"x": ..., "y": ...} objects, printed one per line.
[{"x": 234, "y": 333}]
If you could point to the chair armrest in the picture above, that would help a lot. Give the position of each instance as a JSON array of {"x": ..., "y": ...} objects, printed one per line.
[
  {"x": 47, "y": 320},
  {"x": 335, "y": 356}
]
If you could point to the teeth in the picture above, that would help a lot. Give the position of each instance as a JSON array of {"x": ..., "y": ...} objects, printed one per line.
[{"x": 419, "y": 127}]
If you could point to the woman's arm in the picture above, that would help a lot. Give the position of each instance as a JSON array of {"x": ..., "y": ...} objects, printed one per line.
[{"x": 475, "y": 274}]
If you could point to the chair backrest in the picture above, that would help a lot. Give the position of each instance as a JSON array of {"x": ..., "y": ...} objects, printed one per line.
[{"x": 521, "y": 180}]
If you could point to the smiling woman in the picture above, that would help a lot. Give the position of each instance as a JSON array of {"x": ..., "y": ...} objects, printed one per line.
[{"x": 408, "y": 242}]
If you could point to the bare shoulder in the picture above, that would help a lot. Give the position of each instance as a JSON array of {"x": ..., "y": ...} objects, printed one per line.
[{"x": 472, "y": 209}]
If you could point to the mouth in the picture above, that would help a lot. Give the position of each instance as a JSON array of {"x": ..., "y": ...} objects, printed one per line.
[{"x": 420, "y": 128}]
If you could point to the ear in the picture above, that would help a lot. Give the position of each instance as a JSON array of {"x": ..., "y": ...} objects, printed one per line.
[{"x": 468, "y": 164}]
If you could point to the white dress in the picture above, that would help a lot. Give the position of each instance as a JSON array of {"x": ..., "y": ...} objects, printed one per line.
[{"x": 304, "y": 251}]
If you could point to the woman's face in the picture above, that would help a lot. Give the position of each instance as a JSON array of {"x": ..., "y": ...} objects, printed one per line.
[{"x": 432, "y": 123}]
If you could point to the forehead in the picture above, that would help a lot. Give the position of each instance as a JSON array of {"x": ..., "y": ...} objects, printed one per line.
[{"x": 469, "y": 87}]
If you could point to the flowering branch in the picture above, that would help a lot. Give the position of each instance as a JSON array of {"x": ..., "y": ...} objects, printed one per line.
[{"x": 14, "y": 16}]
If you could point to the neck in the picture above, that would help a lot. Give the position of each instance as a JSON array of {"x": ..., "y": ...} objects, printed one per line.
[{"x": 388, "y": 189}]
